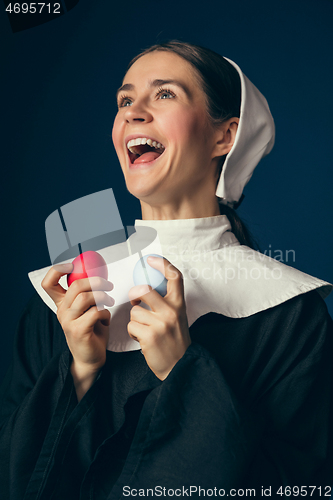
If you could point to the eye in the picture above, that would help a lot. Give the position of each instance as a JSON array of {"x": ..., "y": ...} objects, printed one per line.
[
  {"x": 124, "y": 101},
  {"x": 165, "y": 94}
]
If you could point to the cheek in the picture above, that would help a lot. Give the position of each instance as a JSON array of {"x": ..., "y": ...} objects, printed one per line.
[
  {"x": 116, "y": 135},
  {"x": 189, "y": 131},
  {"x": 180, "y": 127}
]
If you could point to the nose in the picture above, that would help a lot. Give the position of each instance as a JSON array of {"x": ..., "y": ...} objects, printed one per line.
[{"x": 138, "y": 112}]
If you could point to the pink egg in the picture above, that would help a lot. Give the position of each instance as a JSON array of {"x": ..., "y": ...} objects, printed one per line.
[{"x": 88, "y": 264}]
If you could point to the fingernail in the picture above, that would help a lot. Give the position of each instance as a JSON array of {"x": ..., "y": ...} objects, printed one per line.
[
  {"x": 111, "y": 302},
  {"x": 138, "y": 291},
  {"x": 143, "y": 289},
  {"x": 64, "y": 268},
  {"x": 110, "y": 285}
]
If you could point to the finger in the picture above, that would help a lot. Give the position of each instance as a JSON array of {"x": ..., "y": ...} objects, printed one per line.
[
  {"x": 165, "y": 267},
  {"x": 174, "y": 277},
  {"x": 135, "y": 302},
  {"x": 149, "y": 296},
  {"x": 142, "y": 316},
  {"x": 137, "y": 331},
  {"x": 93, "y": 315},
  {"x": 83, "y": 301},
  {"x": 50, "y": 282},
  {"x": 94, "y": 283}
]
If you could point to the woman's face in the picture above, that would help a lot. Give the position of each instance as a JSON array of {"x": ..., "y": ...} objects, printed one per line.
[{"x": 161, "y": 101}]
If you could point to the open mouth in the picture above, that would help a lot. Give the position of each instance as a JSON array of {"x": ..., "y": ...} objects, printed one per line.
[{"x": 144, "y": 150}]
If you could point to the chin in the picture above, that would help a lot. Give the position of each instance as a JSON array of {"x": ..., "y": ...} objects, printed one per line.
[
  {"x": 140, "y": 190},
  {"x": 149, "y": 195},
  {"x": 143, "y": 184}
]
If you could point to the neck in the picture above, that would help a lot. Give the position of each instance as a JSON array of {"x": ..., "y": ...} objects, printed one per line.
[{"x": 187, "y": 209}]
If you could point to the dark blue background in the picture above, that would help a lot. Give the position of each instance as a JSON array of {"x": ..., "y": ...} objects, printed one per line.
[{"x": 58, "y": 85}]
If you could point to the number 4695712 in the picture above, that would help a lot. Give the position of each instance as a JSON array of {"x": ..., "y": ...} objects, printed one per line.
[
  {"x": 33, "y": 8},
  {"x": 304, "y": 491}
]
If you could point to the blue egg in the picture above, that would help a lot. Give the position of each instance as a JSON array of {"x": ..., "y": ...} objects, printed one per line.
[{"x": 144, "y": 274}]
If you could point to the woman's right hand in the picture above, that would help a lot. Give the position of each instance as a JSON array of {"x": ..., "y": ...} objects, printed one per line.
[{"x": 84, "y": 322}]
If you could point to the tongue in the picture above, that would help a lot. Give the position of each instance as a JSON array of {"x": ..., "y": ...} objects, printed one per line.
[{"x": 146, "y": 157}]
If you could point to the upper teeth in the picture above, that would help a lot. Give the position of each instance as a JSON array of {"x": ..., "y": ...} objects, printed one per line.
[{"x": 143, "y": 140}]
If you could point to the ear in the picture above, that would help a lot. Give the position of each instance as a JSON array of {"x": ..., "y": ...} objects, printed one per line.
[{"x": 225, "y": 137}]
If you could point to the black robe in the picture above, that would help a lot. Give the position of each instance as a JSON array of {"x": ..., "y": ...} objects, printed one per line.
[{"x": 249, "y": 405}]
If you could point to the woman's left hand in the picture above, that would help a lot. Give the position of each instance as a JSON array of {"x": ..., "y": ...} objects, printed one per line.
[{"x": 163, "y": 332}]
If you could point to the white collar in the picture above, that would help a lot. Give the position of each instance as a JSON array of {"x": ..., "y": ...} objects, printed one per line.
[
  {"x": 188, "y": 236},
  {"x": 220, "y": 275}
]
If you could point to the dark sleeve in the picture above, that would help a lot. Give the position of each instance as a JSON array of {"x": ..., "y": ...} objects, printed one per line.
[
  {"x": 38, "y": 339},
  {"x": 279, "y": 363},
  {"x": 192, "y": 431},
  {"x": 188, "y": 430},
  {"x": 30, "y": 394}
]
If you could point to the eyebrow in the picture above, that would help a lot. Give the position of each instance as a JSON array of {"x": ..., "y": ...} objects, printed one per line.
[{"x": 156, "y": 83}]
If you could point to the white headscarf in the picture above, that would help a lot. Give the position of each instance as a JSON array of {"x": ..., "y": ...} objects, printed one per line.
[{"x": 254, "y": 140}]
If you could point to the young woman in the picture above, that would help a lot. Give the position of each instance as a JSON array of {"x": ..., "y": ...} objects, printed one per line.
[{"x": 223, "y": 384}]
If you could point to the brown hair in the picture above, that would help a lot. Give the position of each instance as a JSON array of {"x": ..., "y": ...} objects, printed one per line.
[{"x": 221, "y": 84}]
